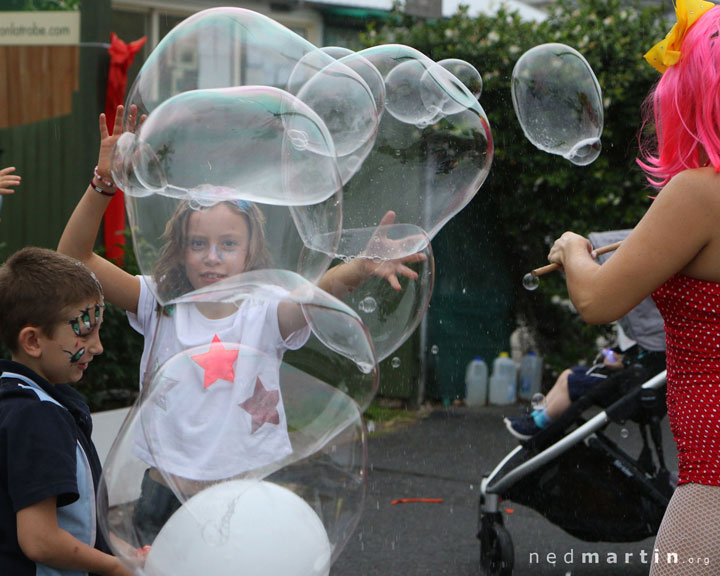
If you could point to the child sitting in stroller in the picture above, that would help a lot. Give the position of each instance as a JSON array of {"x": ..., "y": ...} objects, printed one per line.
[
  {"x": 640, "y": 341},
  {"x": 576, "y": 381}
]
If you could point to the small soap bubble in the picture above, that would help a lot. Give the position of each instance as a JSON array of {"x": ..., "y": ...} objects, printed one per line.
[
  {"x": 466, "y": 73},
  {"x": 538, "y": 401},
  {"x": 530, "y": 282},
  {"x": 558, "y": 102},
  {"x": 624, "y": 433},
  {"x": 395, "y": 362},
  {"x": 434, "y": 349},
  {"x": 368, "y": 305}
]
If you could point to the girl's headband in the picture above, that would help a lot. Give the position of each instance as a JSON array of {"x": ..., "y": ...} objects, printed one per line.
[{"x": 667, "y": 52}]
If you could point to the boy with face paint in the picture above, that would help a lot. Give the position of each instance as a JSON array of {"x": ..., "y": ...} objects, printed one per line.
[{"x": 50, "y": 314}]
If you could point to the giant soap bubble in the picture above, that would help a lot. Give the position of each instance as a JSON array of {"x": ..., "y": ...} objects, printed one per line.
[
  {"x": 237, "y": 47},
  {"x": 349, "y": 159},
  {"x": 222, "y": 417},
  {"x": 261, "y": 142},
  {"x": 416, "y": 134},
  {"x": 432, "y": 152},
  {"x": 558, "y": 102},
  {"x": 256, "y": 379},
  {"x": 322, "y": 85}
]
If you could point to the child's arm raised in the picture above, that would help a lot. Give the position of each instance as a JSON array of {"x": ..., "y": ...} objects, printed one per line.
[
  {"x": 345, "y": 278},
  {"x": 78, "y": 238},
  {"x": 7, "y": 178},
  {"x": 44, "y": 542}
]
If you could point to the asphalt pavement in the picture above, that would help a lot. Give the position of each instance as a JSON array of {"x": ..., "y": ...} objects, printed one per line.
[{"x": 444, "y": 456}]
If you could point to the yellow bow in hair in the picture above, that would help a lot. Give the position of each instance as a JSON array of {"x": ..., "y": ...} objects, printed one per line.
[{"x": 667, "y": 52}]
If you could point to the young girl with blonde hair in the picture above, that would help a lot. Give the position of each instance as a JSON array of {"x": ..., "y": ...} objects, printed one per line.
[{"x": 211, "y": 429}]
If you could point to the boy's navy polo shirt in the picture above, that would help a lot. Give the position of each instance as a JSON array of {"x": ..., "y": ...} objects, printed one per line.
[{"x": 38, "y": 443}]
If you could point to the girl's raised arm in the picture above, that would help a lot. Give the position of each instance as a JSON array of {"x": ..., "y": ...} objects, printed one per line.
[
  {"x": 344, "y": 278},
  {"x": 78, "y": 238}
]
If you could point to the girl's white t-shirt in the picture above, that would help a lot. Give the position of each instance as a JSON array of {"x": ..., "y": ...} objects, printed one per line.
[{"x": 214, "y": 409}]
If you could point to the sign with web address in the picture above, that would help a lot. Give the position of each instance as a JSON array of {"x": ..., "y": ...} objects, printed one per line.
[{"x": 39, "y": 28}]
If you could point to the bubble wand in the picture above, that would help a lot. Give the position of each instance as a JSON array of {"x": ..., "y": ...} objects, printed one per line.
[{"x": 531, "y": 280}]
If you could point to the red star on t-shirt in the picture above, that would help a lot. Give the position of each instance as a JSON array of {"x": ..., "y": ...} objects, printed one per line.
[
  {"x": 262, "y": 406},
  {"x": 217, "y": 362}
]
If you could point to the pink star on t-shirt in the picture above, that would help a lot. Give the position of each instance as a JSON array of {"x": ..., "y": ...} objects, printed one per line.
[
  {"x": 217, "y": 362},
  {"x": 262, "y": 406}
]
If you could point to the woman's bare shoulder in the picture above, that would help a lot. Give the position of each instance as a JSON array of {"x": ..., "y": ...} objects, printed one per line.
[{"x": 698, "y": 182}]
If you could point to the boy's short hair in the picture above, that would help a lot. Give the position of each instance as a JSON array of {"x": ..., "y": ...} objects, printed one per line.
[{"x": 37, "y": 286}]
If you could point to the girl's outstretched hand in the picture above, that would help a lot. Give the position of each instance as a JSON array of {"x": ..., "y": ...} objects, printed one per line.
[
  {"x": 108, "y": 139},
  {"x": 7, "y": 178},
  {"x": 390, "y": 269}
]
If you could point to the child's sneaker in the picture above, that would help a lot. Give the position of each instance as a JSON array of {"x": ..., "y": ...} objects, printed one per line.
[{"x": 522, "y": 427}]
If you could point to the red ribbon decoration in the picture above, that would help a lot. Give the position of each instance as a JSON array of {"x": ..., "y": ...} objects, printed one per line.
[{"x": 121, "y": 58}]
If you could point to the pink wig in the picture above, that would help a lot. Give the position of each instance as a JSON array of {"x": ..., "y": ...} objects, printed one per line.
[{"x": 685, "y": 106}]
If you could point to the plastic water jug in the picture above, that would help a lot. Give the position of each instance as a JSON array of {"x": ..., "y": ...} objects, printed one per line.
[
  {"x": 530, "y": 380},
  {"x": 503, "y": 382},
  {"x": 476, "y": 382}
]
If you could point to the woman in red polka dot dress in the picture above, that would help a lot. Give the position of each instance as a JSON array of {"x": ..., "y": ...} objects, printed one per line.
[{"x": 674, "y": 254}]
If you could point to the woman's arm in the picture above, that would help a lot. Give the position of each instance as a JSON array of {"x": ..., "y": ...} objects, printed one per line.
[
  {"x": 78, "y": 238},
  {"x": 44, "y": 542},
  {"x": 678, "y": 234}
]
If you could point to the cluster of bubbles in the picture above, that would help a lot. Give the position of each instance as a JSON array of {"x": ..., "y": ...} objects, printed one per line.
[
  {"x": 335, "y": 157},
  {"x": 558, "y": 102}
]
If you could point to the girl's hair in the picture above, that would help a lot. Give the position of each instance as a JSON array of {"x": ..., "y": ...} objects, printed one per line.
[
  {"x": 684, "y": 107},
  {"x": 169, "y": 270}
]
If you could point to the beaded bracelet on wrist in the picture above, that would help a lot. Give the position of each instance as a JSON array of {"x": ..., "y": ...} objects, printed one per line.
[{"x": 108, "y": 183}]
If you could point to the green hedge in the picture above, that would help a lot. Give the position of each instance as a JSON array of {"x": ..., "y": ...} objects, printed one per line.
[{"x": 537, "y": 196}]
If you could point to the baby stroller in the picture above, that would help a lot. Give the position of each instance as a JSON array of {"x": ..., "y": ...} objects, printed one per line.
[{"x": 574, "y": 474}]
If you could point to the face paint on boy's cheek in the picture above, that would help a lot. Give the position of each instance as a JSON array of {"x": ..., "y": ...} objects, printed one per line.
[{"x": 74, "y": 358}]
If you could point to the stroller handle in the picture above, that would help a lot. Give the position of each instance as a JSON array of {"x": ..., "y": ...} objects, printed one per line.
[{"x": 656, "y": 381}]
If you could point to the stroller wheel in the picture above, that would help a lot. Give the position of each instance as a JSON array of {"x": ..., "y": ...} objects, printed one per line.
[{"x": 496, "y": 548}]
